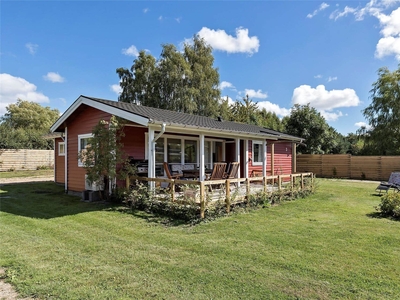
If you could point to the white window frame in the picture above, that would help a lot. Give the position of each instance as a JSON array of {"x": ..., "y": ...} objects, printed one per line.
[
  {"x": 59, "y": 149},
  {"x": 81, "y": 137},
  {"x": 257, "y": 163}
]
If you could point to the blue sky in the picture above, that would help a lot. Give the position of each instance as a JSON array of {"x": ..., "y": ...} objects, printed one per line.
[{"x": 278, "y": 52}]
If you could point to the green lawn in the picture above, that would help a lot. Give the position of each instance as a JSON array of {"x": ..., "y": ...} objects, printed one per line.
[
  {"x": 331, "y": 245},
  {"x": 27, "y": 173}
]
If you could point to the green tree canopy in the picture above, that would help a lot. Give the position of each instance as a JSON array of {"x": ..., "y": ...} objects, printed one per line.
[
  {"x": 306, "y": 122},
  {"x": 24, "y": 124},
  {"x": 181, "y": 81},
  {"x": 383, "y": 114}
]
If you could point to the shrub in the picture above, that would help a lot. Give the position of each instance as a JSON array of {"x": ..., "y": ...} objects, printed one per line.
[{"x": 390, "y": 205}]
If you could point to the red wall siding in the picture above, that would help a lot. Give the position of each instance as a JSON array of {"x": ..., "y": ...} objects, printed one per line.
[
  {"x": 59, "y": 163},
  {"x": 282, "y": 155},
  {"x": 134, "y": 141},
  {"x": 82, "y": 123},
  {"x": 283, "y": 158}
]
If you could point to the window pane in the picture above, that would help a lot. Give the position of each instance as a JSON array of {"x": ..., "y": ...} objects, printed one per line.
[
  {"x": 257, "y": 151},
  {"x": 160, "y": 151},
  {"x": 190, "y": 151},
  {"x": 174, "y": 150}
]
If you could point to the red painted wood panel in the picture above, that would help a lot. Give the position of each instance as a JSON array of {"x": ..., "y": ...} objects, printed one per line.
[
  {"x": 82, "y": 123},
  {"x": 59, "y": 163}
]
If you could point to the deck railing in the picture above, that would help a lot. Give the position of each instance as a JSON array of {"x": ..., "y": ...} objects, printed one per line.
[{"x": 277, "y": 182}]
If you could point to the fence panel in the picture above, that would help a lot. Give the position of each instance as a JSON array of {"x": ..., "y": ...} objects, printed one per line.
[
  {"x": 347, "y": 166},
  {"x": 25, "y": 159}
]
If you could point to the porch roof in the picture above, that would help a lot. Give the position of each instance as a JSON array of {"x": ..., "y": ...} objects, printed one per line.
[{"x": 146, "y": 116}]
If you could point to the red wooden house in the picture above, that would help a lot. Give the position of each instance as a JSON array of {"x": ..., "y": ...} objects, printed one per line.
[{"x": 181, "y": 139}]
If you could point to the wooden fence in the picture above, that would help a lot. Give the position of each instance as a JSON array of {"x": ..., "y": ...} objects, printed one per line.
[
  {"x": 25, "y": 159},
  {"x": 348, "y": 166}
]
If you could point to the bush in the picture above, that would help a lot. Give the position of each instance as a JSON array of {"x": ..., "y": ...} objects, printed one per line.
[{"x": 390, "y": 205}]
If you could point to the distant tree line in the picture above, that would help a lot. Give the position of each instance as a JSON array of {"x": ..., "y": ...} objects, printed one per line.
[{"x": 187, "y": 81}]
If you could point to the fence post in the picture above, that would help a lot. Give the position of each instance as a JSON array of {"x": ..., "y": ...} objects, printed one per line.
[
  {"x": 202, "y": 204},
  {"x": 247, "y": 188},
  {"x": 302, "y": 181},
  {"x": 265, "y": 184},
  {"x": 228, "y": 195},
  {"x": 173, "y": 190},
  {"x": 279, "y": 182}
]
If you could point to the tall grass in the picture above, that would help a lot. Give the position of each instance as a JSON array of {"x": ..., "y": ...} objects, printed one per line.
[{"x": 330, "y": 245}]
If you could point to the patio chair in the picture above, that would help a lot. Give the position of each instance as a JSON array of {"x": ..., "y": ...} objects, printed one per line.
[
  {"x": 392, "y": 183},
  {"x": 231, "y": 171},
  {"x": 169, "y": 175},
  {"x": 217, "y": 173}
]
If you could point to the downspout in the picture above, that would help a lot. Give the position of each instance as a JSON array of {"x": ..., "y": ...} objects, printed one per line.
[
  {"x": 163, "y": 125},
  {"x": 152, "y": 162}
]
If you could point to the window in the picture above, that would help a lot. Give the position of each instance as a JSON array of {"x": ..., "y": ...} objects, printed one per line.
[
  {"x": 61, "y": 149},
  {"x": 174, "y": 150},
  {"x": 83, "y": 142},
  {"x": 190, "y": 151},
  {"x": 257, "y": 153}
]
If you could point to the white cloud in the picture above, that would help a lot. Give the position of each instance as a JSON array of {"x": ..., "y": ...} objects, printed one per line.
[
  {"x": 222, "y": 41},
  {"x": 131, "y": 51},
  {"x": 318, "y": 76},
  {"x": 14, "y": 88},
  {"x": 116, "y": 88},
  {"x": 255, "y": 94},
  {"x": 160, "y": 18},
  {"x": 145, "y": 10},
  {"x": 337, "y": 14},
  {"x": 279, "y": 111},
  {"x": 363, "y": 124},
  {"x": 225, "y": 84},
  {"x": 32, "y": 48},
  {"x": 320, "y": 8},
  {"x": 325, "y": 101},
  {"x": 389, "y": 44},
  {"x": 331, "y": 116},
  {"x": 53, "y": 77},
  {"x": 230, "y": 101},
  {"x": 331, "y": 78},
  {"x": 178, "y": 20}
]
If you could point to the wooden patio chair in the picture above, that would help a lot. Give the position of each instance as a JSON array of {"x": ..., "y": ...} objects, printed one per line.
[
  {"x": 232, "y": 171},
  {"x": 169, "y": 175},
  {"x": 217, "y": 173}
]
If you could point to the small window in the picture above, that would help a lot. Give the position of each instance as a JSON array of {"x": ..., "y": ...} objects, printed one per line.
[
  {"x": 61, "y": 149},
  {"x": 83, "y": 142},
  {"x": 257, "y": 153}
]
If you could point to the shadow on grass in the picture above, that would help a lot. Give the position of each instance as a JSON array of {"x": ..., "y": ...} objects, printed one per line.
[
  {"x": 379, "y": 215},
  {"x": 151, "y": 217},
  {"x": 43, "y": 200}
]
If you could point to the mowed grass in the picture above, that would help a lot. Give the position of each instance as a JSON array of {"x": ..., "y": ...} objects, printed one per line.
[
  {"x": 27, "y": 173},
  {"x": 331, "y": 245}
]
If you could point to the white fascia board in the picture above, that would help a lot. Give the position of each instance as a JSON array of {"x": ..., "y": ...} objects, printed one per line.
[{"x": 100, "y": 106}]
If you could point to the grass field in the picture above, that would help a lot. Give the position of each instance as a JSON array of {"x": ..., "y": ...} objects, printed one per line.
[
  {"x": 331, "y": 245},
  {"x": 27, "y": 173}
]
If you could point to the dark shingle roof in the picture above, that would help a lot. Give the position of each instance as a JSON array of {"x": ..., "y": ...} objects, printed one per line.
[{"x": 179, "y": 118}]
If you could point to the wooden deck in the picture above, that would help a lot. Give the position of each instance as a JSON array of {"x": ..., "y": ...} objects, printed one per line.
[{"x": 206, "y": 192}]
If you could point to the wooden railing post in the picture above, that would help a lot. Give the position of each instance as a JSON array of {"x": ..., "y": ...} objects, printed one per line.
[
  {"x": 228, "y": 196},
  {"x": 202, "y": 203},
  {"x": 279, "y": 182},
  {"x": 265, "y": 184},
  {"x": 173, "y": 190},
  {"x": 302, "y": 181},
  {"x": 247, "y": 188}
]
